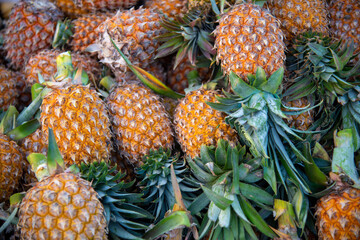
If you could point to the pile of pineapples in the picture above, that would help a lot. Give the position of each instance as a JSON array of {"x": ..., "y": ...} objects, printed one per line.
[{"x": 180, "y": 119}]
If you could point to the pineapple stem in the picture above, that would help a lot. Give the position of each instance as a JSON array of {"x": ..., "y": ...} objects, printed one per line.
[
  {"x": 65, "y": 67},
  {"x": 107, "y": 82}
]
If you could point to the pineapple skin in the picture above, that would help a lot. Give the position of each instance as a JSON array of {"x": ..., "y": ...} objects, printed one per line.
[
  {"x": 344, "y": 21},
  {"x": 302, "y": 121},
  {"x": 44, "y": 62},
  {"x": 134, "y": 32},
  {"x": 338, "y": 215},
  {"x": 85, "y": 31},
  {"x": 9, "y": 91},
  {"x": 11, "y": 167},
  {"x": 170, "y": 8},
  {"x": 63, "y": 206},
  {"x": 139, "y": 121},
  {"x": 196, "y": 123},
  {"x": 80, "y": 123},
  {"x": 76, "y": 8},
  {"x": 248, "y": 37},
  {"x": 298, "y": 16},
  {"x": 30, "y": 28}
]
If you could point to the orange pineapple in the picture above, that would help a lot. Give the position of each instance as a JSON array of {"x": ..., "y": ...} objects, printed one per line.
[
  {"x": 170, "y": 8},
  {"x": 298, "y": 16},
  {"x": 344, "y": 20},
  {"x": 248, "y": 37},
  {"x": 139, "y": 121},
  {"x": 196, "y": 123},
  {"x": 30, "y": 28},
  {"x": 134, "y": 32},
  {"x": 75, "y": 8}
]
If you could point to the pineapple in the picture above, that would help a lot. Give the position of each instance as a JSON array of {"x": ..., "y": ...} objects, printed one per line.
[
  {"x": 30, "y": 28},
  {"x": 79, "y": 33},
  {"x": 139, "y": 121},
  {"x": 80, "y": 122},
  {"x": 76, "y": 8},
  {"x": 9, "y": 92},
  {"x": 134, "y": 32},
  {"x": 338, "y": 212},
  {"x": 72, "y": 202},
  {"x": 297, "y": 17},
  {"x": 344, "y": 20},
  {"x": 11, "y": 166},
  {"x": 196, "y": 123},
  {"x": 12, "y": 160},
  {"x": 44, "y": 62},
  {"x": 169, "y": 8},
  {"x": 78, "y": 117},
  {"x": 248, "y": 37},
  {"x": 205, "y": 5},
  {"x": 61, "y": 205}
]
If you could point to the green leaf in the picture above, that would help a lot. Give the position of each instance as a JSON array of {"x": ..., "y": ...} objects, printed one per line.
[
  {"x": 343, "y": 156},
  {"x": 241, "y": 88},
  {"x": 220, "y": 201},
  {"x": 256, "y": 194},
  {"x": 175, "y": 220},
  {"x": 9, "y": 120},
  {"x": 9, "y": 220},
  {"x": 274, "y": 81},
  {"x": 260, "y": 77},
  {"x": 312, "y": 171},
  {"x": 54, "y": 158},
  {"x": 24, "y": 130},
  {"x": 255, "y": 218}
]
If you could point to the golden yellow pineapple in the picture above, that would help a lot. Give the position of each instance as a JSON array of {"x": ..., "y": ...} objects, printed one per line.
[
  {"x": 62, "y": 206},
  {"x": 9, "y": 91},
  {"x": 298, "y": 16},
  {"x": 11, "y": 166},
  {"x": 196, "y": 123},
  {"x": 44, "y": 62},
  {"x": 84, "y": 30},
  {"x": 248, "y": 37},
  {"x": 80, "y": 122},
  {"x": 75, "y": 8},
  {"x": 302, "y": 121},
  {"x": 134, "y": 32},
  {"x": 139, "y": 121},
  {"x": 170, "y": 8},
  {"x": 344, "y": 20},
  {"x": 30, "y": 28},
  {"x": 338, "y": 215}
]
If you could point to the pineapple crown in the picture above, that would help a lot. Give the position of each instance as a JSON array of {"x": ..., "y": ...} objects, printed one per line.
[
  {"x": 15, "y": 127},
  {"x": 254, "y": 110},
  {"x": 155, "y": 180},
  {"x": 230, "y": 179},
  {"x": 323, "y": 67},
  {"x": 189, "y": 35},
  {"x": 62, "y": 33}
]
